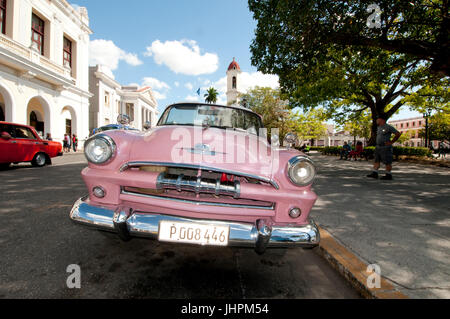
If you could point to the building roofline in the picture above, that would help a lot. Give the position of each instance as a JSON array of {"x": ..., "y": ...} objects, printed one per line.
[
  {"x": 70, "y": 11},
  {"x": 408, "y": 119}
]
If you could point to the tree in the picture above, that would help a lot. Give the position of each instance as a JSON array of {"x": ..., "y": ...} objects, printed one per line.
[
  {"x": 310, "y": 125},
  {"x": 211, "y": 96},
  {"x": 417, "y": 28},
  {"x": 276, "y": 113},
  {"x": 438, "y": 127},
  {"x": 405, "y": 137},
  {"x": 346, "y": 79},
  {"x": 359, "y": 127}
]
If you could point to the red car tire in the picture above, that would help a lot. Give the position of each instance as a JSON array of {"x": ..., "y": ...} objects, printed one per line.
[{"x": 39, "y": 160}]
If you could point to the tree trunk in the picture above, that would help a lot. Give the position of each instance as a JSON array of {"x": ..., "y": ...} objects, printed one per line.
[{"x": 373, "y": 132}]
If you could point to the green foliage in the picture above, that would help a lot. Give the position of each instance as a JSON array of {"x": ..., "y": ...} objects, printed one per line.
[
  {"x": 360, "y": 126},
  {"x": 211, "y": 95},
  {"x": 276, "y": 113},
  {"x": 412, "y": 151},
  {"x": 417, "y": 28},
  {"x": 438, "y": 126},
  {"x": 431, "y": 96},
  {"x": 405, "y": 137},
  {"x": 321, "y": 52},
  {"x": 309, "y": 125},
  {"x": 370, "y": 150}
]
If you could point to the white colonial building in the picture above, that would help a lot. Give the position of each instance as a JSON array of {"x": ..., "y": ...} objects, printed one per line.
[
  {"x": 233, "y": 83},
  {"x": 44, "y": 66},
  {"x": 111, "y": 99},
  {"x": 333, "y": 138}
]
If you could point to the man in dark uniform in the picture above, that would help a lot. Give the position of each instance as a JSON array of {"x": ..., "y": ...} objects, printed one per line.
[{"x": 384, "y": 152}]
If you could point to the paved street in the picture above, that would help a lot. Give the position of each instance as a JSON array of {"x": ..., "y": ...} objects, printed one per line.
[
  {"x": 38, "y": 242},
  {"x": 401, "y": 225}
]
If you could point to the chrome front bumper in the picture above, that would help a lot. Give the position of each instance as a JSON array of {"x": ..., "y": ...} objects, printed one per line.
[{"x": 143, "y": 224}]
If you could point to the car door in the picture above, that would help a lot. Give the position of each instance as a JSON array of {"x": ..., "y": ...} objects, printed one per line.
[
  {"x": 9, "y": 152},
  {"x": 27, "y": 143}
]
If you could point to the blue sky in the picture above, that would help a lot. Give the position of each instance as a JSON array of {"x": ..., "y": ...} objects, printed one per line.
[{"x": 175, "y": 46}]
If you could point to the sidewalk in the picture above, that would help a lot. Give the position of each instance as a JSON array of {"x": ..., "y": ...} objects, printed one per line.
[
  {"x": 402, "y": 225},
  {"x": 79, "y": 151}
]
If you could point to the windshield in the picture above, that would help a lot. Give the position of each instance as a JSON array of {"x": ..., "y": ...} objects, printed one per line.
[
  {"x": 212, "y": 116},
  {"x": 107, "y": 128}
]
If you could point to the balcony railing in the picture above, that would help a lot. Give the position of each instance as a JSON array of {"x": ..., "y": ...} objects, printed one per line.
[{"x": 27, "y": 53}]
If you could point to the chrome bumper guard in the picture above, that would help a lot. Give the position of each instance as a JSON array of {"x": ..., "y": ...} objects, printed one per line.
[{"x": 142, "y": 224}]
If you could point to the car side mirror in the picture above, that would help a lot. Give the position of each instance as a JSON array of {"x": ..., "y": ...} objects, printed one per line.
[
  {"x": 123, "y": 119},
  {"x": 147, "y": 125},
  {"x": 5, "y": 135}
]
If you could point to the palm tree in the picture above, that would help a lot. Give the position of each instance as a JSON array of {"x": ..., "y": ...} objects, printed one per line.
[{"x": 211, "y": 95}]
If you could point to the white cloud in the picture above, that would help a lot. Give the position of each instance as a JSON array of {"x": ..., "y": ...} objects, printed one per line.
[
  {"x": 107, "y": 54},
  {"x": 189, "y": 86},
  {"x": 246, "y": 81},
  {"x": 250, "y": 80},
  {"x": 131, "y": 59},
  {"x": 183, "y": 57},
  {"x": 159, "y": 95},
  {"x": 177, "y": 84},
  {"x": 155, "y": 83},
  {"x": 192, "y": 98}
]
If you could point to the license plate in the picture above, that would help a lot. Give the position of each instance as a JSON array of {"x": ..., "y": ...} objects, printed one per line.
[{"x": 192, "y": 233}]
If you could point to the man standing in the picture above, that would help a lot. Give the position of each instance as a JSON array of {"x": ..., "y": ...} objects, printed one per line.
[{"x": 384, "y": 152}]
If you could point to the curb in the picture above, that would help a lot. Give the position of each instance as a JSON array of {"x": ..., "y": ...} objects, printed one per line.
[{"x": 354, "y": 269}]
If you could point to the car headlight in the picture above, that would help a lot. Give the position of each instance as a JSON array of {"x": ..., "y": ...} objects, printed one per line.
[
  {"x": 99, "y": 149},
  {"x": 301, "y": 171}
]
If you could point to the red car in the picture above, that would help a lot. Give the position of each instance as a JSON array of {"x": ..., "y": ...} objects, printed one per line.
[{"x": 21, "y": 143}]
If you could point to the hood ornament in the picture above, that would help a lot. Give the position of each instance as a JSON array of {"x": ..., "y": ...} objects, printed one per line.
[{"x": 202, "y": 149}]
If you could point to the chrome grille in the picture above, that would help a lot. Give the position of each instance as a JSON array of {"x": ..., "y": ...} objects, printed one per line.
[{"x": 198, "y": 184}]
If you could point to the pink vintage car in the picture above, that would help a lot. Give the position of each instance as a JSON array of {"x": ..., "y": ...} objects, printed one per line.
[{"x": 206, "y": 175}]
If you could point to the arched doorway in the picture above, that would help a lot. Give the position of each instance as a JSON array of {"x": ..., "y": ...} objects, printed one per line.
[
  {"x": 69, "y": 118},
  {"x": 6, "y": 104},
  {"x": 36, "y": 121},
  {"x": 2, "y": 112},
  {"x": 38, "y": 113}
]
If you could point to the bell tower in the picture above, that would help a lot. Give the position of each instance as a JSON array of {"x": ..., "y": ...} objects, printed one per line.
[{"x": 233, "y": 82}]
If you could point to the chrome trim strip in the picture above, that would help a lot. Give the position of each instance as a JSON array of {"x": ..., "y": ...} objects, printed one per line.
[
  {"x": 259, "y": 236},
  {"x": 204, "y": 168},
  {"x": 124, "y": 192}
]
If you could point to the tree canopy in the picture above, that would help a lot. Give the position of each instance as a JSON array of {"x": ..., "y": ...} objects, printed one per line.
[
  {"x": 276, "y": 113},
  {"x": 302, "y": 42},
  {"x": 438, "y": 127},
  {"x": 417, "y": 28}
]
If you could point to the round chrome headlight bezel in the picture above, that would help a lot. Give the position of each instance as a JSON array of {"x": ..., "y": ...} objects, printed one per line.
[
  {"x": 105, "y": 143},
  {"x": 307, "y": 167}
]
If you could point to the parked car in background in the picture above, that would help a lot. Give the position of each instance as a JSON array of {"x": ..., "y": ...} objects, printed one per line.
[
  {"x": 171, "y": 183},
  {"x": 21, "y": 143}
]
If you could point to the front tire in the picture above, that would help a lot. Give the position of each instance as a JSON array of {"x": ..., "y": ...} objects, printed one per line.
[
  {"x": 39, "y": 160},
  {"x": 4, "y": 166}
]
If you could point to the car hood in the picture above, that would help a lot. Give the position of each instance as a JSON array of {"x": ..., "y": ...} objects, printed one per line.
[{"x": 227, "y": 150}]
